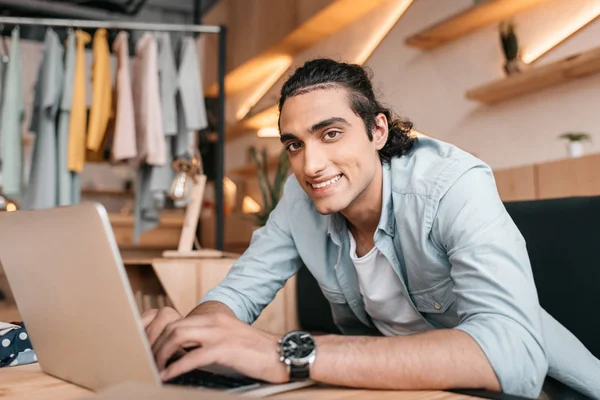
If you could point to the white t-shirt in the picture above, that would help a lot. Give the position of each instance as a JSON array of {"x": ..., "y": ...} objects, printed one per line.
[{"x": 381, "y": 290}]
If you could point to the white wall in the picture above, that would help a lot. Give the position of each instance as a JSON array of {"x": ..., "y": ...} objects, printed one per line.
[{"x": 429, "y": 87}]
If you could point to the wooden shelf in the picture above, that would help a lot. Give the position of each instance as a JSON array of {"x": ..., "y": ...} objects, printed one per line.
[
  {"x": 169, "y": 219},
  {"x": 535, "y": 79},
  {"x": 254, "y": 121},
  {"x": 250, "y": 169},
  {"x": 316, "y": 20},
  {"x": 477, "y": 16}
]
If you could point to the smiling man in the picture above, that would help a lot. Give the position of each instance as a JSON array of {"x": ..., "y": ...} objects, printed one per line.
[{"x": 426, "y": 274}]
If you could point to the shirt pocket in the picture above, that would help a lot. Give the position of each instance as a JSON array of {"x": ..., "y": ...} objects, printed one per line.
[
  {"x": 436, "y": 299},
  {"x": 332, "y": 295}
]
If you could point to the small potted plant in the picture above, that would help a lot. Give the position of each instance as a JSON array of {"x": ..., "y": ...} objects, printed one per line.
[
  {"x": 510, "y": 47},
  {"x": 271, "y": 191},
  {"x": 575, "y": 142}
]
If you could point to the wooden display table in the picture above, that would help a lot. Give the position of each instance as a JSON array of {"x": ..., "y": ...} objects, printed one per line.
[{"x": 181, "y": 283}]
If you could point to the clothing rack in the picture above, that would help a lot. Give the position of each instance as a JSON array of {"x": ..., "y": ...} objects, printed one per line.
[{"x": 220, "y": 30}]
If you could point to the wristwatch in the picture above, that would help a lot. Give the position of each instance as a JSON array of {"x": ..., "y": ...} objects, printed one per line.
[{"x": 297, "y": 351}]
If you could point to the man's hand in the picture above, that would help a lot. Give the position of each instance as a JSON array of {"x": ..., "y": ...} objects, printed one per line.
[
  {"x": 155, "y": 321},
  {"x": 216, "y": 338}
]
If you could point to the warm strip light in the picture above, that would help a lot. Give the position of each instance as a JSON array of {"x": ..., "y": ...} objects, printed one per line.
[
  {"x": 250, "y": 206},
  {"x": 386, "y": 26},
  {"x": 559, "y": 34},
  {"x": 278, "y": 67},
  {"x": 268, "y": 132},
  {"x": 268, "y": 117}
]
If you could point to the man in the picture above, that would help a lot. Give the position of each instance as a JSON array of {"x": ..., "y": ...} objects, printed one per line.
[{"x": 425, "y": 272}]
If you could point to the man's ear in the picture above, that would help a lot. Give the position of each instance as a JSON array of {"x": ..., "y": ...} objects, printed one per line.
[{"x": 380, "y": 131}]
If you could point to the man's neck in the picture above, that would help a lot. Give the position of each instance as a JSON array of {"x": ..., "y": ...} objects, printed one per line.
[{"x": 364, "y": 213}]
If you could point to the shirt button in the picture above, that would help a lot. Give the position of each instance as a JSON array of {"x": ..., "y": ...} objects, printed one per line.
[{"x": 437, "y": 305}]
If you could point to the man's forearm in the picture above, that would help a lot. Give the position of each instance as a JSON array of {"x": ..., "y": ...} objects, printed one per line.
[
  {"x": 211, "y": 307},
  {"x": 440, "y": 359}
]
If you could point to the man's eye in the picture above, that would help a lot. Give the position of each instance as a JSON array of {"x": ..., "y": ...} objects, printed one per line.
[
  {"x": 332, "y": 134},
  {"x": 294, "y": 146}
]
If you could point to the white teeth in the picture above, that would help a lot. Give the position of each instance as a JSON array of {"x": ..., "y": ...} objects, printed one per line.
[{"x": 326, "y": 183}]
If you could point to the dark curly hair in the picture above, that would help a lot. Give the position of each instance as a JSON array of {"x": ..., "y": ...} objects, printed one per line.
[{"x": 329, "y": 74}]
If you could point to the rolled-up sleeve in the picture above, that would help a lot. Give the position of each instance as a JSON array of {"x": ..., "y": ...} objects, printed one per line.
[
  {"x": 495, "y": 292},
  {"x": 263, "y": 269}
]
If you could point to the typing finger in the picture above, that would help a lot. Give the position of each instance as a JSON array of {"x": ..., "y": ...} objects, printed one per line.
[
  {"x": 164, "y": 317},
  {"x": 170, "y": 344},
  {"x": 148, "y": 316},
  {"x": 194, "y": 359}
]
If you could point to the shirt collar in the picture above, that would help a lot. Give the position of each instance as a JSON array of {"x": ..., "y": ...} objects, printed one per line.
[{"x": 387, "y": 220}]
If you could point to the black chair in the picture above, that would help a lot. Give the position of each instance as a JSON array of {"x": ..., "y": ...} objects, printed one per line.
[{"x": 562, "y": 237}]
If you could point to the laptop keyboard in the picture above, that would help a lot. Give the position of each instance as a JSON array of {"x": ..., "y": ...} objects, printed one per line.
[{"x": 199, "y": 378}]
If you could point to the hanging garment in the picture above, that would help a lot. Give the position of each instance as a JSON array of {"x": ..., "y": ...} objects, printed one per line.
[
  {"x": 161, "y": 177},
  {"x": 3, "y": 65},
  {"x": 65, "y": 191},
  {"x": 155, "y": 190},
  {"x": 144, "y": 210},
  {"x": 75, "y": 187},
  {"x": 192, "y": 110},
  {"x": 101, "y": 92},
  {"x": 41, "y": 191},
  {"x": 123, "y": 145},
  {"x": 13, "y": 112},
  {"x": 4, "y": 52},
  {"x": 2, "y": 70},
  {"x": 146, "y": 94},
  {"x": 169, "y": 84},
  {"x": 192, "y": 93},
  {"x": 150, "y": 132},
  {"x": 185, "y": 136},
  {"x": 78, "y": 121}
]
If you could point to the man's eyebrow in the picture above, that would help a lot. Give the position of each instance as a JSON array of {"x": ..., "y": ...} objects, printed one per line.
[
  {"x": 316, "y": 127},
  {"x": 287, "y": 136},
  {"x": 325, "y": 123}
]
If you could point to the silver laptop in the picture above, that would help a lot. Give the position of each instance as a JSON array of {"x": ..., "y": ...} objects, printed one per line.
[{"x": 66, "y": 273}]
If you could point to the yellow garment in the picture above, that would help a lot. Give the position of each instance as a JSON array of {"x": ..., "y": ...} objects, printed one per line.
[
  {"x": 78, "y": 119},
  {"x": 101, "y": 92}
]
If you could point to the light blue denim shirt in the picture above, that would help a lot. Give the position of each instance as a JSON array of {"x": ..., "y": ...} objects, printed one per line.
[{"x": 461, "y": 261}]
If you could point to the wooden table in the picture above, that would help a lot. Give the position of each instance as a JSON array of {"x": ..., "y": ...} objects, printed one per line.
[{"x": 29, "y": 382}]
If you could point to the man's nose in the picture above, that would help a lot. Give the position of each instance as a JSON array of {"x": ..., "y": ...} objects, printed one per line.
[{"x": 315, "y": 161}]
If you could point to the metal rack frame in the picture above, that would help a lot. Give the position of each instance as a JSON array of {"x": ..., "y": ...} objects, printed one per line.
[{"x": 220, "y": 30}]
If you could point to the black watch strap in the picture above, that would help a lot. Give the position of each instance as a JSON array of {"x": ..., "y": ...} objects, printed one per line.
[{"x": 299, "y": 372}]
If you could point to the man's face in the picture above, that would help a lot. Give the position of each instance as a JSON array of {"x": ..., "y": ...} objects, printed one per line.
[{"x": 330, "y": 152}]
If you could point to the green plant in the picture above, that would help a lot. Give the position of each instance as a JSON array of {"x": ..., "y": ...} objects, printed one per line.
[
  {"x": 575, "y": 136},
  {"x": 271, "y": 191},
  {"x": 508, "y": 38}
]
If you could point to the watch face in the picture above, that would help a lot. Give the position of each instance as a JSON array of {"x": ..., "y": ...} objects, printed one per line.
[{"x": 298, "y": 345}]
